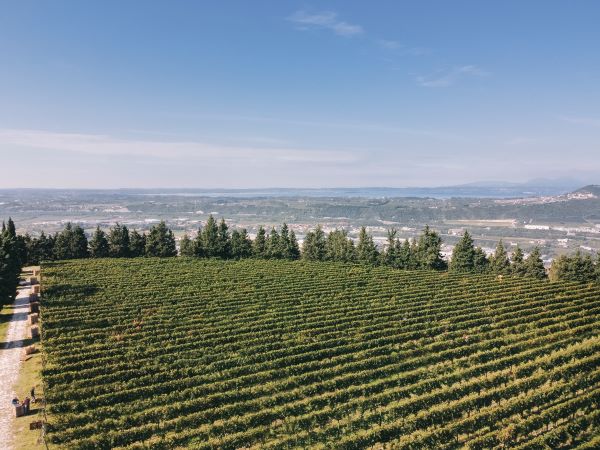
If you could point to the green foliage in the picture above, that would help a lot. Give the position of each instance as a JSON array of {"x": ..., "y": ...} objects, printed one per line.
[
  {"x": 339, "y": 247},
  {"x": 210, "y": 240},
  {"x": 71, "y": 243},
  {"x": 119, "y": 241},
  {"x": 429, "y": 251},
  {"x": 535, "y": 266},
  {"x": 499, "y": 263},
  {"x": 241, "y": 245},
  {"x": 274, "y": 247},
  {"x": 578, "y": 268},
  {"x": 314, "y": 245},
  {"x": 481, "y": 263},
  {"x": 463, "y": 255},
  {"x": 137, "y": 244},
  {"x": 99, "y": 244},
  {"x": 259, "y": 246},
  {"x": 186, "y": 246},
  {"x": 214, "y": 354},
  {"x": 517, "y": 263},
  {"x": 366, "y": 251},
  {"x": 160, "y": 241}
]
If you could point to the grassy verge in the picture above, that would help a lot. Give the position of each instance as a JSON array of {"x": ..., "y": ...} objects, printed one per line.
[{"x": 29, "y": 376}]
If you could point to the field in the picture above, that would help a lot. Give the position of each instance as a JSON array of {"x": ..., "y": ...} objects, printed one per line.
[{"x": 177, "y": 352}]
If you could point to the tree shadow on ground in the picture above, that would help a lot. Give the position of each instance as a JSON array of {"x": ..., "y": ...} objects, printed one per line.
[
  {"x": 69, "y": 294},
  {"x": 18, "y": 343}
]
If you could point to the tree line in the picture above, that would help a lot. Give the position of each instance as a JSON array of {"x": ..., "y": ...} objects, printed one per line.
[
  {"x": 216, "y": 240},
  {"x": 10, "y": 263}
]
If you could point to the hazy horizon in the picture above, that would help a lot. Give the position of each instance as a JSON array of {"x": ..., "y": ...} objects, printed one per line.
[{"x": 297, "y": 95}]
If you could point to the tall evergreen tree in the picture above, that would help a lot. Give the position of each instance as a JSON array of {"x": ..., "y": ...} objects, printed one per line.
[
  {"x": 463, "y": 255},
  {"x": 79, "y": 243},
  {"x": 210, "y": 239},
  {"x": 314, "y": 245},
  {"x": 10, "y": 268},
  {"x": 481, "y": 263},
  {"x": 224, "y": 240},
  {"x": 517, "y": 262},
  {"x": 366, "y": 250},
  {"x": 241, "y": 245},
  {"x": 534, "y": 265},
  {"x": 99, "y": 244},
  {"x": 390, "y": 256},
  {"x": 119, "y": 241},
  {"x": 499, "y": 263},
  {"x": 259, "y": 246},
  {"x": 429, "y": 250},
  {"x": 160, "y": 241},
  {"x": 137, "y": 244},
  {"x": 71, "y": 243},
  {"x": 293, "y": 251},
  {"x": 11, "y": 230},
  {"x": 404, "y": 255},
  {"x": 287, "y": 248},
  {"x": 274, "y": 247},
  {"x": 186, "y": 246},
  {"x": 198, "y": 244},
  {"x": 339, "y": 247}
]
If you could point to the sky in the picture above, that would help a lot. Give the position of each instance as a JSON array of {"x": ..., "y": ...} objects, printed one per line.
[{"x": 240, "y": 94}]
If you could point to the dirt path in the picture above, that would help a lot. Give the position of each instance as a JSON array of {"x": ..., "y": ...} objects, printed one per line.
[{"x": 10, "y": 361}]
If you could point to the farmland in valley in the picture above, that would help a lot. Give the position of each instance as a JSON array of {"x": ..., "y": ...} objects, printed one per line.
[{"x": 177, "y": 352}]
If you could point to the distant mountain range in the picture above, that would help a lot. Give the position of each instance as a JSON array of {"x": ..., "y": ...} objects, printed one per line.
[{"x": 485, "y": 189}]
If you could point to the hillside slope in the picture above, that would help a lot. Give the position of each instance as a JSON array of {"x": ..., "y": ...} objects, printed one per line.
[{"x": 169, "y": 353}]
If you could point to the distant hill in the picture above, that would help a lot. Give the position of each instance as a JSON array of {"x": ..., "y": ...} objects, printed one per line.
[{"x": 589, "y": 189}]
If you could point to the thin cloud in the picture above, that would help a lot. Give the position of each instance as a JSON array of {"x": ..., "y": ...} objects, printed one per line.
[
  {"x": 451, "y": 77},
  {"x": 589, "y": 121},
  {"x": 105, "y": 145},
  {"x": 399, "y": 48},
  {"x": 327, "y": 20}
]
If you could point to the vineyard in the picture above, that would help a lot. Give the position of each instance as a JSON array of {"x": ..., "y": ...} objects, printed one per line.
[{"x": 166, "y": 353}]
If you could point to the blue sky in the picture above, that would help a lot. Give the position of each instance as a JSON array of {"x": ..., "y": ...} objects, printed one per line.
[{"x": 297, "y": 94}]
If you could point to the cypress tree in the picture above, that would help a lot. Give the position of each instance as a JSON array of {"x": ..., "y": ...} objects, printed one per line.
[
  {"x": 259, "y": 246},
  {"x": 534, "y": 265},
  {"x": 274, "y": 247},
  {"x": 339, "y": 247},
  {"x": 186, "y": 246},
  {"x": 160, "y": 241},
  {"x": 481, "y": 263},
  {"x": 137, "y": 244},
  {"x": 223, "y": 241},
  {"x": 62, "y": 244},
  {"x": 429, "y": 250},
  {"x": 10, "y": 268},
  {"x": 11, "y": 231},
  {"x": 79, "y": 243},
  {"x": 366, "y": 251},
  {"x": 293, "y": 247},
  {"x": 314, "y": 245},
  {"x": 390, "y": 256},
  {"x": 210, "y": 239},
  {"x": 198, "y": 244},
  {"x": 119, "y": 241},
  {"x": 499, "y": 263},
  {"x": 463, "y": 255},
  {"x": 517, "y": 262},
  {"x": 404, "y": 258},
  {"x": 99, "y": 244},
  {"x": 241, "y": 245}
]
